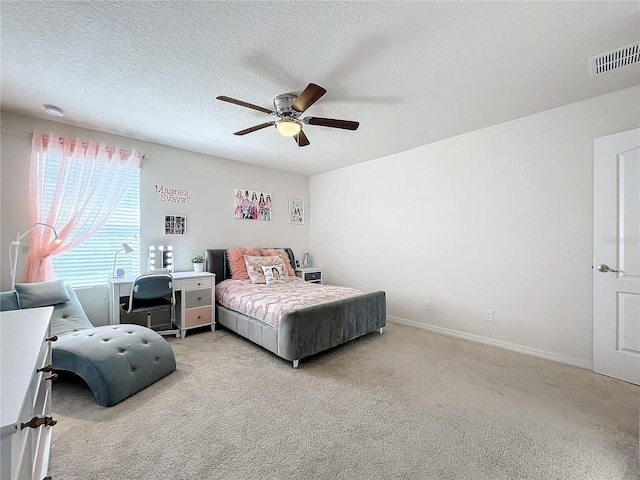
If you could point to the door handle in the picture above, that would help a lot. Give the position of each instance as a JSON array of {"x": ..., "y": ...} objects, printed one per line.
[{"x": 605, "y": 268}]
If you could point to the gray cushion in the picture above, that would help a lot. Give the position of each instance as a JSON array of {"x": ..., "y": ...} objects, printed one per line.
[
  {"x": 8, "y": 301},
  {"x": 69, "y": 316},
  {"x": 42, "y": 294}
]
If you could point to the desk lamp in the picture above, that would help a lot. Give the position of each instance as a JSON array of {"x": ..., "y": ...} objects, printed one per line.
[{"x": 127, "y": 250}]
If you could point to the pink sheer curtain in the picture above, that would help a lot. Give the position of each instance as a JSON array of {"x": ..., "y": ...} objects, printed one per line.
[{"x": 73, "y": 186}]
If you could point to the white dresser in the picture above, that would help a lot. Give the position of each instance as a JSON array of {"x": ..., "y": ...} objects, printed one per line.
[{"x": 25, "y": 393}]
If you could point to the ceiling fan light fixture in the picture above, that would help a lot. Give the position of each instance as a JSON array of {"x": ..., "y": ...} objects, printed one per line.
[
  {"x": 288, "y": 108},
  {"x": 288, "y": 128}
]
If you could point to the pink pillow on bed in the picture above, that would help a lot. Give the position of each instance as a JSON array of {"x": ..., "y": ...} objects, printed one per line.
[
  {"x": 279, "y": 251},
  {"x": 236, "y": 261},
  {"x": 255, "y": 264}
]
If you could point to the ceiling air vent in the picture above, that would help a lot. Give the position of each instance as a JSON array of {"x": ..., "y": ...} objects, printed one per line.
[{"x": 614, "y": 59}]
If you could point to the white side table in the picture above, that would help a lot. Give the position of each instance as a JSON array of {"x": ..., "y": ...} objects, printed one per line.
[{"x": 310, "y": 274}]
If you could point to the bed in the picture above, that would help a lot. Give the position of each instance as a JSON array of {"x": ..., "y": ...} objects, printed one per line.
[{"x": 302, "y": 331}]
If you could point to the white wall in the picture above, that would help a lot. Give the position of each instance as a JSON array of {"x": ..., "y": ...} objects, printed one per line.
[
  {"x": 499, "y": 218},
  {"x": 209, "y": 180}
]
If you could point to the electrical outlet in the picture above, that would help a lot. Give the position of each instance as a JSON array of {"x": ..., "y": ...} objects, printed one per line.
[
  {"x": 427, "y": 304},
  {"x": 488, "y": 315}
]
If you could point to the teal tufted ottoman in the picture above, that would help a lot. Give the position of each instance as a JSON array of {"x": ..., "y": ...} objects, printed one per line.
[{"x": 115, "y": 361}]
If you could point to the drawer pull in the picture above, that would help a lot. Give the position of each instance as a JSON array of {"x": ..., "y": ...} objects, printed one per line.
[
  {"x": 199, "y": 298},
  {"x": 47, "y": 368},
  {"x": 35, "y": 422},
  {"x": 199, "y": 284},
  {"x": 52, "y": 339},
  {"x": 49, "y": 421},
  {"x": 38, "y": 420},
  {"x": 54, "y": 376}
]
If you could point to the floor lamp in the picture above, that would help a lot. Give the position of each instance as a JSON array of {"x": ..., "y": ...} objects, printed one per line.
[{"x": 13, "y": 256}]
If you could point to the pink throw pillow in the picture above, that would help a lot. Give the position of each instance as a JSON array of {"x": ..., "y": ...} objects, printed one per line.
[
  {"x": 279, "y": 251},
  {"x": 236, "y": 261}
]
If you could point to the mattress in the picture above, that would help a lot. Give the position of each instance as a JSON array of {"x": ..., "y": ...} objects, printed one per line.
[{"x": 268, "y": 303}]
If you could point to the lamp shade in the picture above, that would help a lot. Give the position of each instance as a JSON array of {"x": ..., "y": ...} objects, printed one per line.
[
  {"x": 288, "y": 128},
  {"x": 127, "y": 248}
]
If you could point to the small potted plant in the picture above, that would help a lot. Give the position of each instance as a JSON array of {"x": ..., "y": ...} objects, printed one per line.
[{"x": 198, "y": 263}]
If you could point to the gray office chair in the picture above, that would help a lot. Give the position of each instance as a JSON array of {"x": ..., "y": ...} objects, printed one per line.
[{"x": 152, "y": 292}]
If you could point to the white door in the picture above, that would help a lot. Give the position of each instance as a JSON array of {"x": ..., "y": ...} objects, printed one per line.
[{"x": 616, "y": 256}]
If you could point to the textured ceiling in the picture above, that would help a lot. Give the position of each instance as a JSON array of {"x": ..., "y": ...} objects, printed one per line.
[{"x": 410, "y": 72}]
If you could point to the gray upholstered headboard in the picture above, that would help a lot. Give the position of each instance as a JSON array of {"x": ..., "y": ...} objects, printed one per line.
[{"x": 215, "y": 261}]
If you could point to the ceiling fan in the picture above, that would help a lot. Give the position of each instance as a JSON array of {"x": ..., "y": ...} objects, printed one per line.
[{"x": 289, "y": 107}]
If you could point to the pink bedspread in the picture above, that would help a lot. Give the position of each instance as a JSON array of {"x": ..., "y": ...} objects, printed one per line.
[{"x": 269, "y": 303}]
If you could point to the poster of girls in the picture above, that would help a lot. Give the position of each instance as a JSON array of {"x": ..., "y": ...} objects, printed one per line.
[{"x": 252, "y": 205}]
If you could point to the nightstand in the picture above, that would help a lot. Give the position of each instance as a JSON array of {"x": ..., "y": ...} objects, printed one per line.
[{"x": 310, "y": 274}]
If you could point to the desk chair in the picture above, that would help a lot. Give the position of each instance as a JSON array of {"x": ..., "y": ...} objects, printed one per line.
[{"x": 152, "y": 292}]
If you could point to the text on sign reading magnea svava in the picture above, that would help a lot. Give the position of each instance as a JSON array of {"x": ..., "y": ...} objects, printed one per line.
[{"x": 174, "y": 195}]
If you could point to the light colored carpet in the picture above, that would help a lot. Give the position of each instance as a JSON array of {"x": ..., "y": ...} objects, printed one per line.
[{"x": 405, "y": 405}]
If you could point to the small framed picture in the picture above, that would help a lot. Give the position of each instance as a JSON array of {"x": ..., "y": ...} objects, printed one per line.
[
  {"x": 296, "y": 211},
  {"x": 175, "y": 225}
]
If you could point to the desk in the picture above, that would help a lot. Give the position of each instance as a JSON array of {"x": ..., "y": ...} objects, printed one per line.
[{"x": 194, "y": 299}]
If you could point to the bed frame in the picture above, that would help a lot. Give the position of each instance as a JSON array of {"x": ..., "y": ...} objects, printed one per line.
[{"x": 305, "y": 331}]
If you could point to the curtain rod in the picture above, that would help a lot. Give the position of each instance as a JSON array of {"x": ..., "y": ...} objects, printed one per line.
[{"x": 84, "y": 144}]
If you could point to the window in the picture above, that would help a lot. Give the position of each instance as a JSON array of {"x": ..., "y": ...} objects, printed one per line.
[{"x": 91, "y": 263}]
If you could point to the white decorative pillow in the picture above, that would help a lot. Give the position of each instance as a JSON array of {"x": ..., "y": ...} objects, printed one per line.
[
  {"x": 255, "y": 264},
  {"x": 274, "y": 274}
]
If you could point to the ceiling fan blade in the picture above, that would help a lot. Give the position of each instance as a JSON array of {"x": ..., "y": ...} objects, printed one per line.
[
  {"x": 301, "y": 139},
  {"x": 245, "y": 104},
  {"x": 331, "y": 122},
  {"x": 253, "y": 129},
  {"x": 308, "y": 97}
]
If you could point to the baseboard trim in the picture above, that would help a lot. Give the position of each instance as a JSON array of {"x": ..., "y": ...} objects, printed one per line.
[{"x": 576, "y": 362}]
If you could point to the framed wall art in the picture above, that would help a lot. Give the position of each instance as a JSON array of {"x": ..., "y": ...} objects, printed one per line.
[
  {"x": 296, "y": 211},
  {"x": 175, "y": 225},
  {"x": 252, "y": 205}
]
